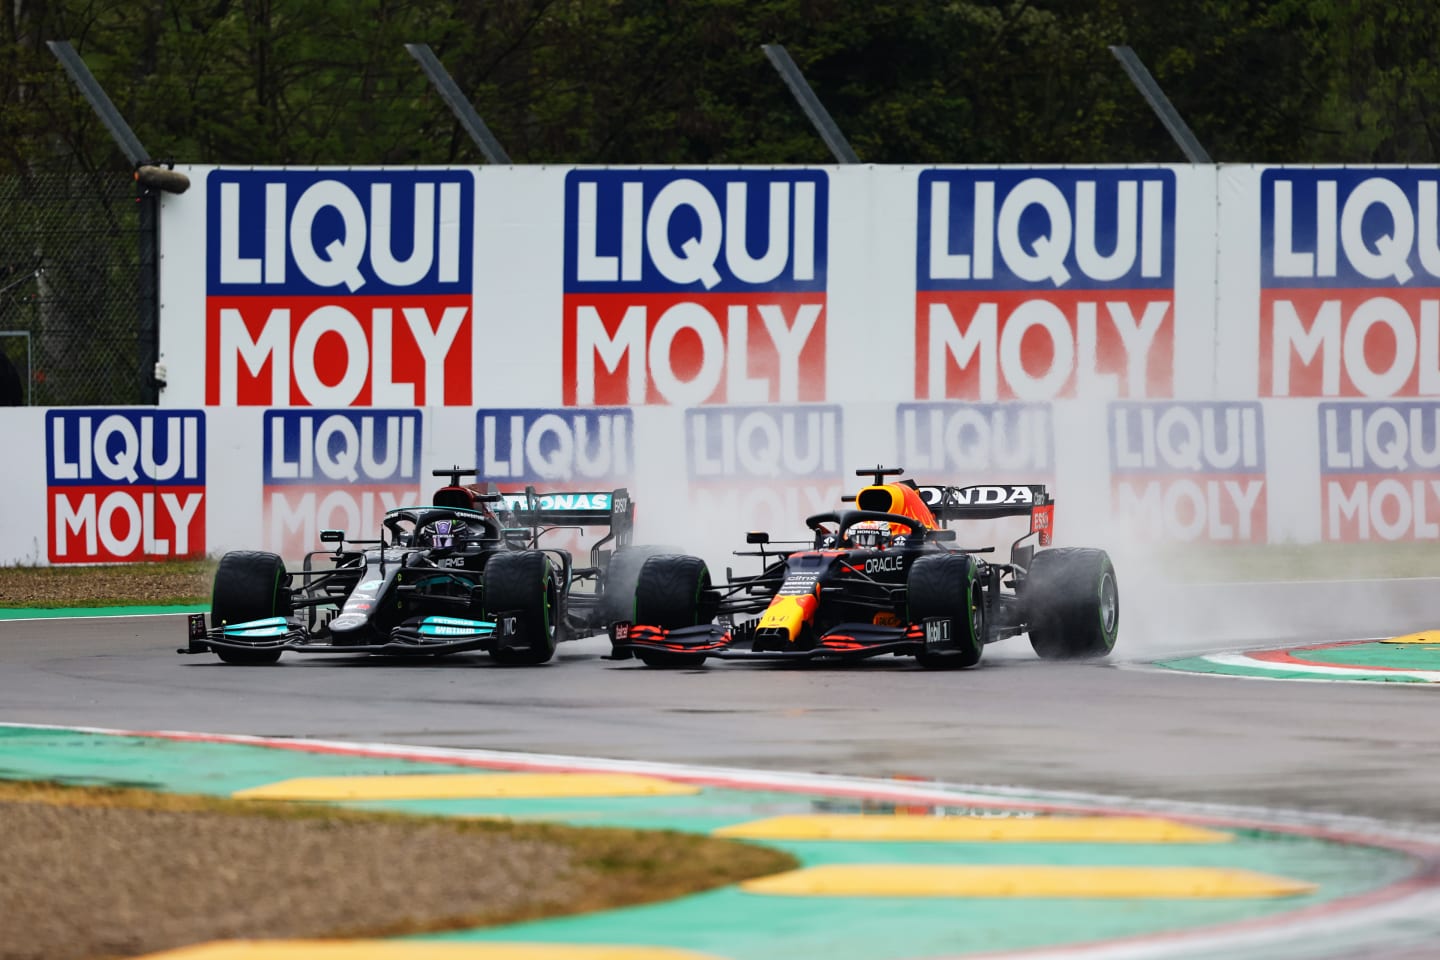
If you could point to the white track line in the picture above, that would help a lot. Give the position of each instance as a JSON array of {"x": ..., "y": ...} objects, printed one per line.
[{"x": 1324, "y": 670}]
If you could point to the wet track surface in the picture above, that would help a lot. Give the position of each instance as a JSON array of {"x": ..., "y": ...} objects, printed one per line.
[{"x": 1113, "y": 728}]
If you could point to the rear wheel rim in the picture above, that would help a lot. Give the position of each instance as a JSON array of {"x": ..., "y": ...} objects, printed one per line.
[{"x": 1109, "y": 604}]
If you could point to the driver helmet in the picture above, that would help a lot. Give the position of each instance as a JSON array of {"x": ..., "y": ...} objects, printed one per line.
[
  {"x": 442, "y": 534},
  {"x": 870, "y": 533}
]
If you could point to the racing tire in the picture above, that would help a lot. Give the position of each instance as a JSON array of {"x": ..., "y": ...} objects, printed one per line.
[
  {"x": 523, "y": 584},
  {"x": 249, "y": 585},
  {"x": 668, "y": 594},
  {"x": 1074, "y": 603},
  {"x": 946, "y": 586},
  {"x": 617, "y": 601}
]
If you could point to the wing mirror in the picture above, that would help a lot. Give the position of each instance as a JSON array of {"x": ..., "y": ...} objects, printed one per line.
[
  {"x": 332, "y": 536},
  {"x": 757, "y": 536}
]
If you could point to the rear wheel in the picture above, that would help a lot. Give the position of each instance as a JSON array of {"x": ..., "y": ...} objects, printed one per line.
[
  {"x": 522, "y": 585},
  {"x": 945, "y": 586},
  {"x": 249, "y": 585},
  {"x": 669, "y": 593},
  {"x": 617, "y": 600},
  {"x": 1073, "y": 603}
]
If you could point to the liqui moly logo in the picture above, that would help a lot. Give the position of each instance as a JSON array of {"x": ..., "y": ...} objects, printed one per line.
[
  {"x": 336, "y": 470},
  {"x": 565, "y": 448},
  {"x": 763, "y": 443},
  {"x": 1378, "y": 471},
  {"x": 336, "y": 288},
  {"x": 767, "y": 467},
  {"x": 125, "y": 485},
  {"x": 1186, "y": 472},
  {"x": 691, "y": 287},
  {"x": 976, "y": 442},
  {"x": 1350, "y": 283},
  {"x": 1038, "y": 284}
]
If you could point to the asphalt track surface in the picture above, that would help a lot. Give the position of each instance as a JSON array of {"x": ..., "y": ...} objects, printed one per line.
[{"x": 1110, "y": 728}]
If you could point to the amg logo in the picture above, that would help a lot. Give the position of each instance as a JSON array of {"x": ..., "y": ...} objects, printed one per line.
[{"x": 882, "y": 564}]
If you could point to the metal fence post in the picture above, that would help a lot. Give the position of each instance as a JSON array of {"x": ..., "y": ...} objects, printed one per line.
[
  {"x": 148, "y": 326},
  {"x": 463, "y": 109},
  {"x": 814, "y": 109},
  {"x": 1149, "y": 89}
]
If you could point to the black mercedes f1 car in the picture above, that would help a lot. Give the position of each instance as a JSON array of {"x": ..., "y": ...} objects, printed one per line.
[
  {"x": 466, "y": 572},
  {"x": 883, "y": 577}
]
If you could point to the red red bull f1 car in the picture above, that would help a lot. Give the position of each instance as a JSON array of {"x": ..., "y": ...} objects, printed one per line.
[{"x": 883, "y": 577}]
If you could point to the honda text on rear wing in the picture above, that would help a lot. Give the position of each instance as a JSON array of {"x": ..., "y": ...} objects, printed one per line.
[{"x": 989, "y": 501}]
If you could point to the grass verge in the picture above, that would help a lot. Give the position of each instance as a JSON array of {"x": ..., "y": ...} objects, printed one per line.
[
  {"x": 165, "y": 583},
  {"x": 120, "y": 872}
]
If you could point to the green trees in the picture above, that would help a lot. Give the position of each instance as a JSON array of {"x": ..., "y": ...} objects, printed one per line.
[{"x": 684, "y": 81}]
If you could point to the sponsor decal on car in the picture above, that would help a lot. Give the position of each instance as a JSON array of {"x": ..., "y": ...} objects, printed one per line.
[
  {"x": 335, "y": 470},
  {"x": 1349, "y": 283},
  {"x": 1378, "y": 464},
  {"x": 1187, "y": 472},
  {"x": 1041, "y": 284},
  {"x": 892, "y": 564},
  {"x": 124, "y": 485},
  {"x": 339, "y": 288},
  {"x": 588, "y": 502},
  {"x": 690, "y": 287},
  {"x": 799, "y": 584},
  {"x": 937, "y": 632}
]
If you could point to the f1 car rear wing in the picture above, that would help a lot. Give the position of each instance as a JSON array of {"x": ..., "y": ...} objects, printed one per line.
[
  {"x": 592, "y": 508},
  {"x": 595, "y": 508},
  {"x": 988, "y": 501}
]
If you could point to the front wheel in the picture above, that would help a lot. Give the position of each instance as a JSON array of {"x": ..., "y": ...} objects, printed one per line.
[
  {"x": 522, "y": 585},
  {"x": 249, "y": 585},
  {"x": 1073, "y": 602},
  {"x": 670, "y": 593},
  {"x": 947, "y": 587}
]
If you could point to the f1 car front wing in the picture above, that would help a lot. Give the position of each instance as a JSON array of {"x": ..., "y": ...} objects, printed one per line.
[
  {"x": 848, "y": 641},
  {"x": 419, "y": 635}
]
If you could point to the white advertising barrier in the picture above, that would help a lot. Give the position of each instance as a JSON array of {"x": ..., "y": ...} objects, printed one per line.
[
  {"x": 577, "y": 286},
  {"x": 128, "y": 484},
  {"x": 733, "y": 342},
  {"x": 125, "y": 484},
  {"x": 23, "y": 537},
  {"x": 1329, "y": 282}
]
